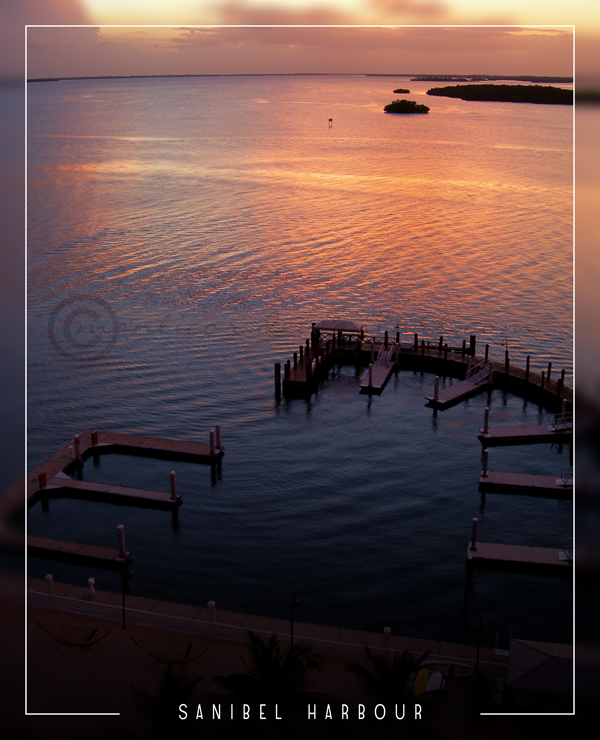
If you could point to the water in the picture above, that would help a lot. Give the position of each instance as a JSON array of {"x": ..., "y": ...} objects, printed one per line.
[{"x": 192, "y": 230}]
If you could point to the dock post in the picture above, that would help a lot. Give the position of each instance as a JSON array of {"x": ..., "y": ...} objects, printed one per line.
[
  {"x": 301, "y": 348},
  {"x": 484, "y": 473},
  {"x": 469, "y": 360},
  {"x": 49, "y": 584},
  {"x": 212, "y": 442},
  {"x": 422, "y": 346},
  {"x": 487, "y": 352},
  {"x": 387, "y": 631},
  {"x": 371, "y": 375},
  {"x": 76, "y": 446},
  {"x": 436, "y": 390},
  {"x": 212, "y": 608},
  {"x": 372, "y": 349},
  {"x": 441, "y": 344},
  {"x": 543, "y": 380},
  {"x": 277, "y": 378},
  {"x": 94, "y": 439},
  {"x": 486, "y": 419},
  {"x": 416, "y": 341},
  {"x": 121, "y": 540},
  {"x": 218, "y": 435},
  {"x": 474, "y": 535},
  {"x": 385, "y": 341},
  {"x": 362, "y": 335},
  {"x": 286, "y": 370},
  {"x": 42, "y": 480},
  {"x": 506, "y": 366},
  {"x": 549, "y": 370},
  {"x": 307, "y": 348},
  {"x": 173, "y": 485},
  {"x": 295, "y": 360},
  {"x": 527, "y": 369},
  {"x": 561, "y": 383},
  {"x": 464, "y": 347},
  {"x": 472, "y": 344}
]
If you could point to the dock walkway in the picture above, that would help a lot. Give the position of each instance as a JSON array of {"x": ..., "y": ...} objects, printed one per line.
[
  {"x": 520, "y": 558},
  {"x": 64, "y": 487},
  {"x": 525, "y": 435},
  {"x": 546, "y": 486},
  {"x": 74, "y": 552},
  {"x": 100, "y": 443}
]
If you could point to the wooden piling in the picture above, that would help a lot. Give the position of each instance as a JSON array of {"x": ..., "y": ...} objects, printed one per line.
[
  {"x": 487, "y": 352},
  {"x": 472, "y": 344},
  {"x": 464, "y": 347},
  {"x": 549, "y": 370},
  {"x": 277, "y": 378},
  {"x": 295, "y": 360},
  {"x": 473, "y": 546},
  {"x": 416, "y": 341}
]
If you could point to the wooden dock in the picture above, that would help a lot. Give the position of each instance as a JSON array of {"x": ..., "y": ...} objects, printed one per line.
[
  {"x": 545, "y": 486},
  {"x": 74, "y": 552},
  {"x": 65, "y": 461},
  {"x": 520, "y": 558},
  {"x": 379, "y": 372},
  {"x": 64, "y": 487},
  {"x": 457, "y": 392},
  {"x": 525, "y": 435},
  {"x": 321, "y": 352}
]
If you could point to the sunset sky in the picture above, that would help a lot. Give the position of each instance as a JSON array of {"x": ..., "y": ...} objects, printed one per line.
[{"x": 91, "y": 51}]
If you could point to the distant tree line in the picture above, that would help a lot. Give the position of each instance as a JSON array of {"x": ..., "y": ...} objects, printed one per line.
[{"x": 507, "y": 93}]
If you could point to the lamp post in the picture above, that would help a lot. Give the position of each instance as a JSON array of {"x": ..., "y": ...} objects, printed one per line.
[{"x": 294, "y": 604}]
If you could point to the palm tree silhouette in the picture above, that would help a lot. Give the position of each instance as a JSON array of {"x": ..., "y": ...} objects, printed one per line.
[
  {"x": 273, "y": 674},
  {"x": 390, "y": 681}
]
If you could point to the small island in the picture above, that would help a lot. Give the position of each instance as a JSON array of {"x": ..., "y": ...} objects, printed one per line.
[
  {"x": 507, "y": 93},
  {"x": 401, "y": 91},
  {"x": 405, "y": 106}
]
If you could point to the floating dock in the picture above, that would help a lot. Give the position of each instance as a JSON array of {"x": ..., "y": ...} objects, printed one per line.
[
  {"x": 51, "y": 478},
  {"x": 561, "y": 433},
  {"x": 64, "y": 487},
  {"x": 74, "y": 552},
  {"x": 339, "y": 342},
  {"x": 520, "y": 558},
  {"x": 457, "y": 392},
  {"x": 545, "y": 486},
  {"x": 379, "y": 372}
]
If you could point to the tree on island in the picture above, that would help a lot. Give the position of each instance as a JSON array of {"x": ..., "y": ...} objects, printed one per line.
[
  {"x": 405, "y": 106},
  {"x": 507, "y": 93}
]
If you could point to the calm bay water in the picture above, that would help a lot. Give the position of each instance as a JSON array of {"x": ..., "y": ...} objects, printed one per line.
[{"x": 201, "y": 224}]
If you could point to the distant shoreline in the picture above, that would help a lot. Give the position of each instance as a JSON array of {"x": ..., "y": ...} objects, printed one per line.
[{"x": 430, "y": 78}]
